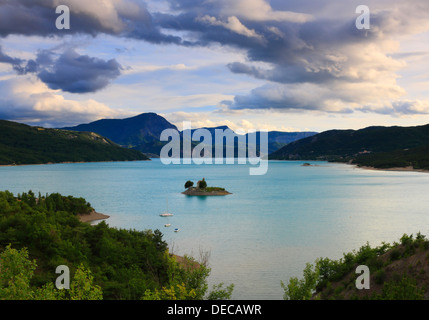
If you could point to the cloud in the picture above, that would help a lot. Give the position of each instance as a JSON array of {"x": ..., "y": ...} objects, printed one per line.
[
  {"x": 260, "y": 10},
  {"x": 14, "y": 62},
  {"x": 340, "y": 97},
  {"x": 331, "y": 66},
  {"x": 37, "y": 17},
  {"x": 27, "y": 99},
  {"x": 233, "y": 24},
  {"x": 76, "y": 73},
  {"x": 310, "y": 55},
  {"x": 68, "y": 71},
  {"x": 403, "y": 107},
  {"x": 124, "y": 18},
  {"x": 254, "y": 10}
]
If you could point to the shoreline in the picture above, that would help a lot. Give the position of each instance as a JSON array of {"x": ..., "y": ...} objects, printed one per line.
[
  {"x": 67, "y": 162},
  {"x": 397, "y": 169},
  {"x": 93, "y": 216}
]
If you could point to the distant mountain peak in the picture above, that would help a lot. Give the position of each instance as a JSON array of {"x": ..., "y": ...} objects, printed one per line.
[{"x": 143, "y": 131}]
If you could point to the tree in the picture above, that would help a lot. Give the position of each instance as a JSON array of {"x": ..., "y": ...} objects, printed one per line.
[
  {"x": 188, "y": 281},
  {"x": 82, "y": 287},
  {"x": 189, "y": 184},
  {"x": 302, "y": 289},
  {"x": 221, "y": 293},
  {"x": 202, "y": 184},
  {"x": 16, "y": 271}
]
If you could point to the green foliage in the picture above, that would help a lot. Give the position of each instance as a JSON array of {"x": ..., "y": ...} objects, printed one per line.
[
  {"x": 380, "y": 276},
  {"x": 188, "y": 184},
  {"x": 17, "y": 270},
  {"x": 22, "y": 144},
  {"x": 418, "y": 158},
  {"x": 188, "y": 281},
  {"x": 379, "y": 147},
  {"x": 174, "y": 292},
  {"x": 82, "y": 287},
  {"x": 395, "y": 254},
  {"x": 211, "y": 189},
  {"x": 404, "y": 289},
  {"x": 124, "y": 264},
  {"x": 56, "y": 202},
  {"x": 221, "y": 293},
  {"x": 319, "y": 277},
  {"x": 302, "y": 289}
]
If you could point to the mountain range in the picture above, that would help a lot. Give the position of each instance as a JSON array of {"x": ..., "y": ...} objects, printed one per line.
[
  {"x": 143, "y": 132},
  {"x": 131, "y": 138}
]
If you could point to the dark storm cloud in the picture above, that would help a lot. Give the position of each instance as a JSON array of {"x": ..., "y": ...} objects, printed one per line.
[
  {"x": 14, "y": 62},
  {"x": 68, "y": 71},
  {"x": 127, "y": 18},
  {"x": 76, "y": 73}
]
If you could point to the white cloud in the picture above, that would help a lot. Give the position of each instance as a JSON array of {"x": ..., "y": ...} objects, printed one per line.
[
  {"x": 28, "y": 99},
  {"x": 110, "y": 14},
  {"x": 233, "y": 24},
  {"x": 259, "y": 10},
  {"x": 239, "y": 121},
  {"x": 152, "y": 68}
]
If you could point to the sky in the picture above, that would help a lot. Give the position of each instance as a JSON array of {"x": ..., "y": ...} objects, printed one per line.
[{"x": 298, "y": 65}]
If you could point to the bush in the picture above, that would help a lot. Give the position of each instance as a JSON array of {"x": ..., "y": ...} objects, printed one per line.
[
  {"x": 189, "y": 184},
  {"x": 302, "y": 289},
  {"x": 404, "y": 289},
  {"x": 380, "y": 276},
  {"x": 395, "y": 254}
]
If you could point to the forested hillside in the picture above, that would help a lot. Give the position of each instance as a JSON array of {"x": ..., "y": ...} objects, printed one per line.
[
  {"x": 380, "y": 147},
  {"x": 23, "y": 144}
]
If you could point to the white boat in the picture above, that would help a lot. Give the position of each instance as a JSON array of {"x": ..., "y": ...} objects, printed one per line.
[
  {"x": 176, "y": 230},
  {"x": 167, "y": 225},
  {"x": 166, "y": 213}
]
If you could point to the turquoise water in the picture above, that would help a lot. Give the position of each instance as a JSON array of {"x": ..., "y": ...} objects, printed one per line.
[{"x": 265, "y": 231}]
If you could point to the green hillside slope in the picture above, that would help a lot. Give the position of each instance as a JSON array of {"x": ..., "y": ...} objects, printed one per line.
[
  {"x": 23, "y": 144},
  {"x": 383, "y": 147}
]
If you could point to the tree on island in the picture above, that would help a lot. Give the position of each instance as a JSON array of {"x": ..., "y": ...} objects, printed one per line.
[
  {"x": 202, "y": 184},
  {"x": 201, "y": 189},
  {"x": 189, "y": 184}
]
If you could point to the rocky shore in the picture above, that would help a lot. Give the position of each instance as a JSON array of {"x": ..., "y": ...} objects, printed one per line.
[{"x": 93, "y": 216}]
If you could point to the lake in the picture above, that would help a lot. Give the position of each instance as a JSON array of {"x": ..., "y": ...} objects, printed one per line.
[{"x": 265, "y": 231}]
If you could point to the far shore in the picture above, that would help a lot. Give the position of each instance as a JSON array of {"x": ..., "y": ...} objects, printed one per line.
[
  {"x": 407, "y": 169},
  {"x": 93, "y": 216},
  {"x": 67, "y": 162}
]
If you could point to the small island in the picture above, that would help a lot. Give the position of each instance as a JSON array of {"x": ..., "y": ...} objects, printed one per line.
[
  {"x": 203, "y": 190},
  {"x": 309, "y": 165}
]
